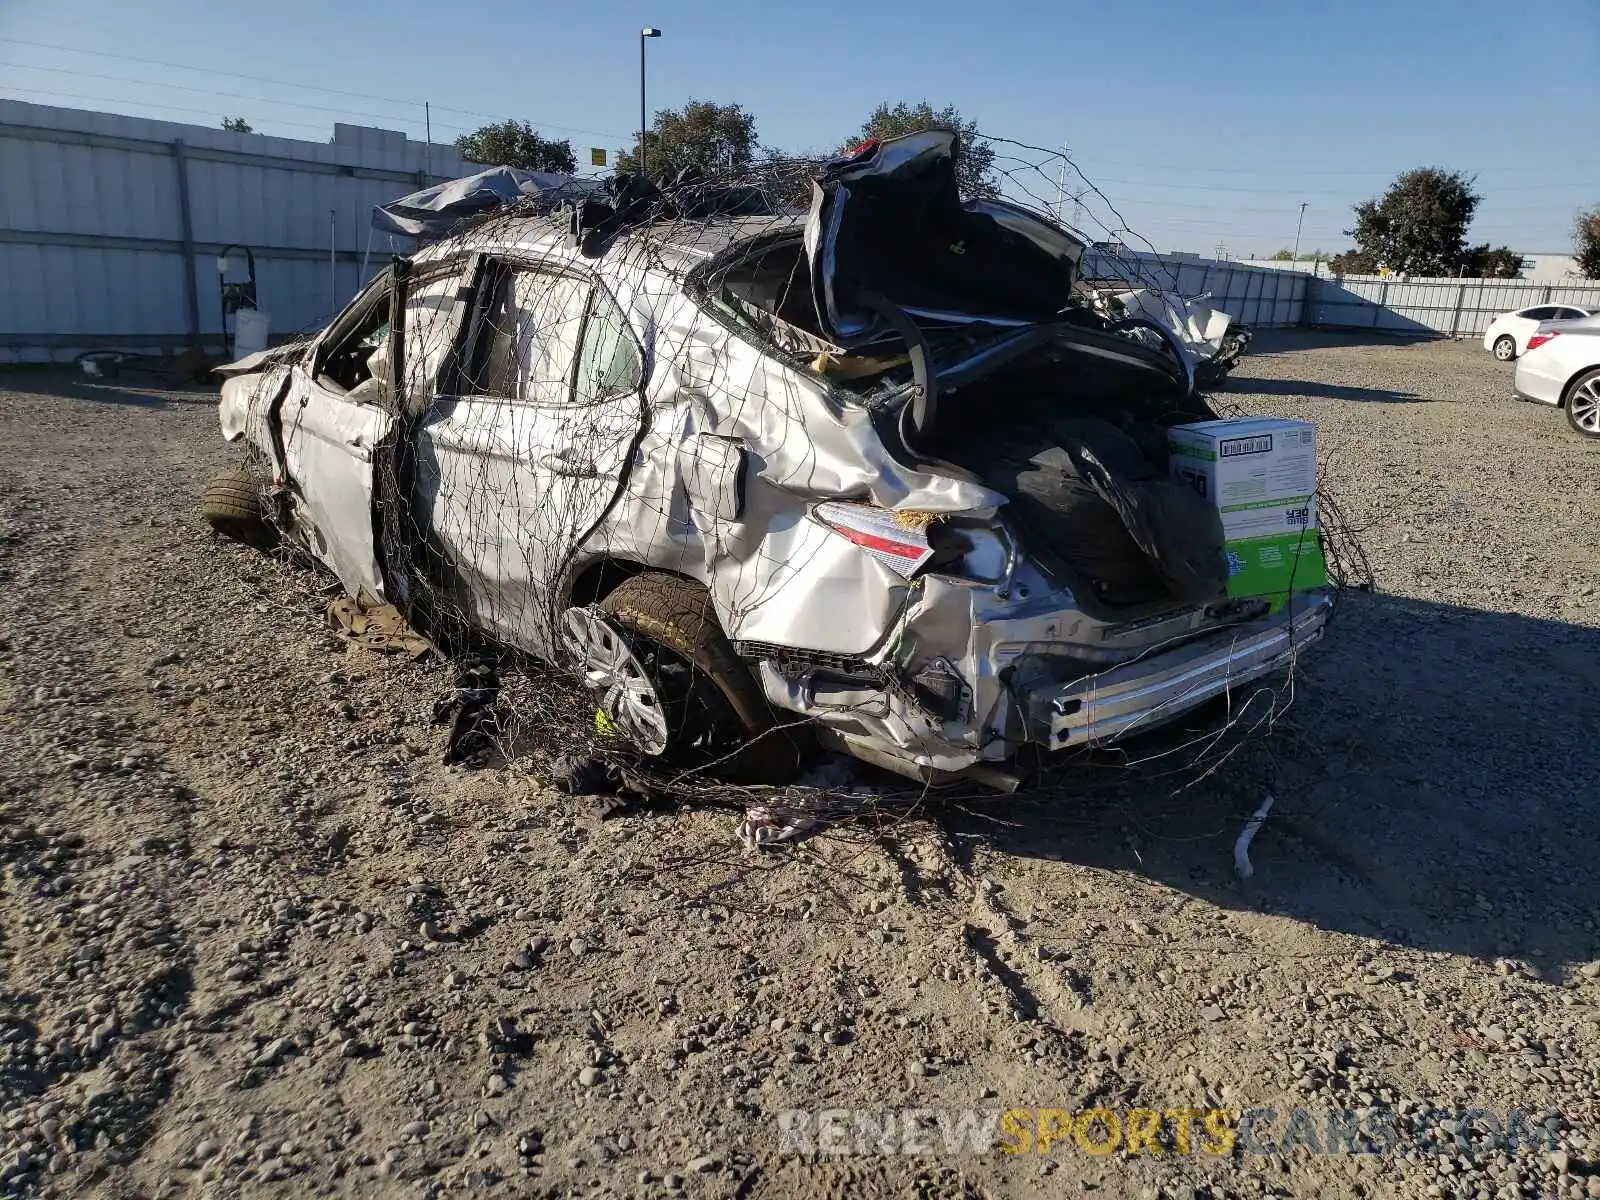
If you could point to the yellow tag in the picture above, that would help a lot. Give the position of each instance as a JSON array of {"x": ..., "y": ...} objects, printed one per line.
[{"x": 603, "y": 724}]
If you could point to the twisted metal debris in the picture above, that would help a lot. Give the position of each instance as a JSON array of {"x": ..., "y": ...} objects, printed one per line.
[{"x": 489, "y": 565}]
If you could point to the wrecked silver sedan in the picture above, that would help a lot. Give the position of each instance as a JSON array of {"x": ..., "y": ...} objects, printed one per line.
[{"x": 876, "y": 469}]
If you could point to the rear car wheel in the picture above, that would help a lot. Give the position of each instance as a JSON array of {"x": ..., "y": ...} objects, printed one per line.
[
  {"x": 1583, "y": 404},
  {"x": 667, "y": 679},
  {"x": 1505, "y": 347},
  {"x": 234, "y": 506}
]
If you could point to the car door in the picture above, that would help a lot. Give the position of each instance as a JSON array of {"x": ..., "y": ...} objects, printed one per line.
[
  {"x": 517, "y": 467},
  {"x": 340, "y": 407},
  {"x": 330, "y": 421}
]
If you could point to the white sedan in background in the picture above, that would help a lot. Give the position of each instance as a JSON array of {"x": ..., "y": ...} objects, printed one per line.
[
  {"x": 1562, "y": 367},
  {"x": 1508, "y": 334}
]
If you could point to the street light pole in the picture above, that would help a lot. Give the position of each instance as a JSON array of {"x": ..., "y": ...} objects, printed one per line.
[
  {"x": 1297, "y": 227},
  {"x": 647, "y": 32}
]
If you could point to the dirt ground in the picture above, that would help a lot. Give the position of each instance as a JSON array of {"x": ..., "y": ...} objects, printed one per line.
[{"x": 256, "y": 939}]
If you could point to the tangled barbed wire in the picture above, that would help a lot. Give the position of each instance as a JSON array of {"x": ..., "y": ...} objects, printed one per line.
[{"x": 609, "y": 413}]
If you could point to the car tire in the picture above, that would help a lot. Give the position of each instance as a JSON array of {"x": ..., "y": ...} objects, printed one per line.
[
  {"x": 234, "y": 506},
  {"x": 1505, "y": 348},
  {"x": 1583, "y": 404},
  {"x": 719, "y": 717}
]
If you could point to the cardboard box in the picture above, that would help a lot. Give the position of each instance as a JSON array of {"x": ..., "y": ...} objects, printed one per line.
[{"x": 1261, "y": 473}]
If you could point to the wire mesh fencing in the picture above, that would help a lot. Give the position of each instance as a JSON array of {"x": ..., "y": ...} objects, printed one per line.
[{"x": 598, "y": 439}]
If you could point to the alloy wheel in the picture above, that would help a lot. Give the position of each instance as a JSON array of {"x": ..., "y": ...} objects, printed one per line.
[
  {"x": 1583, "y": 407},
  {"x": 621, "y": 684}
]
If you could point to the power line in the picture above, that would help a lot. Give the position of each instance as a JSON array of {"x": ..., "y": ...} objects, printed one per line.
[
  {"x": 172, "y": 66},
  {"x": 153, "y": 62},
  {"x": 183, "y": 87},
  {"x": 1228, "y": 206},
  {"x": 27, "y": 97},
  {"x": 1520, "y": 169},
  {"x": 1253, "y": 191}
]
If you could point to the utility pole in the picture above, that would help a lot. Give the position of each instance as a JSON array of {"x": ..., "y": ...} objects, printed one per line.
[
  {"x": 1061, "y": 186},
  {"x": 649, "y": 31},
  {"x": 1297, "y": 228},
  {"x": 1061, "y": 192},
  {"x": 427, "y": 146}
]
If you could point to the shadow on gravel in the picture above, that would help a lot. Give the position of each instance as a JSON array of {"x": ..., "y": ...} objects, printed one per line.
[
  {"x": 1438, "y": 787},
  {"x": 1281, "y": 341},
  {"x": 1317, "y": 389},
  {"x": 131, "y": 391}
]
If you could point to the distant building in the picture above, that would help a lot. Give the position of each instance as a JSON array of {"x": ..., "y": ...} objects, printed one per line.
[
  {"x": 1548, "y": 264},
  {"x": 1283, "y": 264},
  {"x": 111, "y": 234}
]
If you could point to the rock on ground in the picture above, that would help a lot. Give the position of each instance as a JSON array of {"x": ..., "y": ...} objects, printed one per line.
[{"x": 256, "y": 940}]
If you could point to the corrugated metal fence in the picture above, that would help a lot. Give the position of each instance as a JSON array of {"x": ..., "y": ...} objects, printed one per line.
[
  {"x": 1448, "y": 307},
  {"x": 1267, "y": 298},
  {"x": 110, "y": 226},
  {"x": 1257, "y": 296}
]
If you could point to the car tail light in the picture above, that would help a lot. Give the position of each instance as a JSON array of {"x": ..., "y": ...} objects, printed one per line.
[
  {"x": 1540, "y": 339},
  {"x": 898, "y": 540}
]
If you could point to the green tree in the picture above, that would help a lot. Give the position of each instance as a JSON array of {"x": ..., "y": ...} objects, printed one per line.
[
  {"x": 236, "y": 125},
  {"x": 975, "y": 173},
  {"x": 1418, "y": 226},
  {"x": 1353, "y": 262},
  {"x": 512, "y": 143},
  {"x": 1284, "y": 255},
  {"x": 1586, "y": 242},
  {"x": 714, "y": 139},
  {"x": 788, "y": 177},
  {"x": 1501, "y": 263}
]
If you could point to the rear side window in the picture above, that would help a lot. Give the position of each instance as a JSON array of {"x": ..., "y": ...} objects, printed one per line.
[
  {"x": 1540, "y": 314},
  {"x": 528, "y": 336},
  {"x": 610, "y": 364}
]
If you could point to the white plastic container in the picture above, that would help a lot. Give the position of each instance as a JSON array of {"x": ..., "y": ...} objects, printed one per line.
[{"x": 250, "y": 328}]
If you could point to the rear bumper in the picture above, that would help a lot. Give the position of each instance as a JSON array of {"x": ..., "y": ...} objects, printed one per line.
[
  {"x": 1149, "y": 692},
  {"x": 1518, "y": 394},
  {"x": 1532, "y": 383},
  {"x": 980, "y": 677}
]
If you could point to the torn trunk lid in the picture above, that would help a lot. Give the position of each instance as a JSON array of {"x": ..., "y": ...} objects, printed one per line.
[{"x": 888, "y": 222}]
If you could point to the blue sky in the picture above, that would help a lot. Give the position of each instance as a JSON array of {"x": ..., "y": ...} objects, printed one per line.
[{"x": 1206, "y": 124}]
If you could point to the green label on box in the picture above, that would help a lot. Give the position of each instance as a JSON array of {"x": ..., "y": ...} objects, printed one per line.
[
  {"x": 1275, "y": 502},
  {"x": 1273, "y": 565}
]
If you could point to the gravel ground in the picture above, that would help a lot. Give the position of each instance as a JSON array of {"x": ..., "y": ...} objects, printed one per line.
[{"x": 256, "y": 939}]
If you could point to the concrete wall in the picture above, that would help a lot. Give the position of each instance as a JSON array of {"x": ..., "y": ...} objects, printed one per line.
[{"x": 110, "y": 225}]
